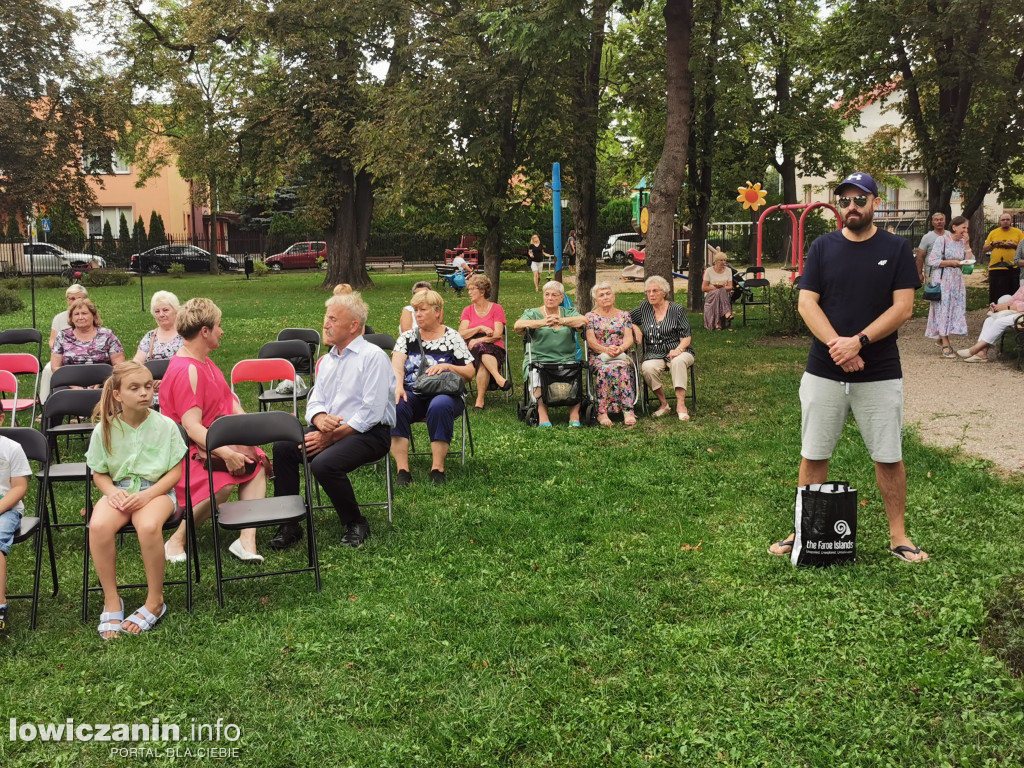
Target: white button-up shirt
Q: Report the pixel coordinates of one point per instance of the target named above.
(358, 385)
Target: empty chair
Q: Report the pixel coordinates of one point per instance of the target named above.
(309, 335)
(757, 291)
(261, 429)
(291, 350)
(20, 364)
(266, 372)
(33, 527)
(19, 336)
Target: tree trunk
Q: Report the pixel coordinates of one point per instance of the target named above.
(211, 242)
(586, 100)
(671, 170)
(346, 255)
(492, 253)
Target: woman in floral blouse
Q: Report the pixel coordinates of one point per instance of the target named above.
(86, 341)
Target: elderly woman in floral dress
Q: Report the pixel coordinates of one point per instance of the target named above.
(609, 335)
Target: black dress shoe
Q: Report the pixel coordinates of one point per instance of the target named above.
(404, 478)
(356, 534)
(437, 477)
(288, 535)
(506, 386)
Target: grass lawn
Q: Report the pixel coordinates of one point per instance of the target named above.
(594, 597)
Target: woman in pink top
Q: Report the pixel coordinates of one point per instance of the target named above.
(483, 328)
(194, 393)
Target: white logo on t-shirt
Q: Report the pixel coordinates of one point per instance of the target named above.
(883, 262)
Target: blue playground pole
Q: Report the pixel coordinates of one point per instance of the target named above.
(556, 202)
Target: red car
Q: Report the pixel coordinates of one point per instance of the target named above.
(298, 256)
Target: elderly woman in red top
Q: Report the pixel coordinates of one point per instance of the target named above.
(194, 393)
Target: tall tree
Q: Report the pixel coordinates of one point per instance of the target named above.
(956, 71)
(671, 170)
(583, 131)
(58, 117)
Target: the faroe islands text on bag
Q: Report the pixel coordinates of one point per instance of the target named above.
(826, 525)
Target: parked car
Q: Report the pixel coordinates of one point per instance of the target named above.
(195, 259)
(618, 246)
(298, 256)
(51, 259)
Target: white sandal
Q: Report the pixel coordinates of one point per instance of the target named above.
(147, 620)
(110, 621)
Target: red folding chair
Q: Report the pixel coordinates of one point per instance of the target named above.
(265, 371)
(20, 363)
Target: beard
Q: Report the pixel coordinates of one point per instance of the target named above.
(858, 220)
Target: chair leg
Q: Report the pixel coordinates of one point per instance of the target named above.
(469, 433)
(85, 575)
(216, 559)
(387, 483)
(38, 542)
(53, 559)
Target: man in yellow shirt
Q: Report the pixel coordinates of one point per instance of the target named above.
(1003, 275)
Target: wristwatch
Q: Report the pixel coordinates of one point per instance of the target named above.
(864, 340)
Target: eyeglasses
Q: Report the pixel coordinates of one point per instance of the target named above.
(860, 201)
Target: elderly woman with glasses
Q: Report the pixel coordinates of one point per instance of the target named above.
(667, 340)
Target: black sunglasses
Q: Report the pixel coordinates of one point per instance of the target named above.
(860, 201)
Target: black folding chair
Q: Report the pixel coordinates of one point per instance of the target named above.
(191, 552)
(157, 367)
(67, 403)
(691, 392)
(261, 429)
(757, 291)
(312, 337)
(33, 527)
(20, 336)
(291, 350)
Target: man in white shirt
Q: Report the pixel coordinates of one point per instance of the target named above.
(350, 410)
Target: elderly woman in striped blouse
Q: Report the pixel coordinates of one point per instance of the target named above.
(667, 338)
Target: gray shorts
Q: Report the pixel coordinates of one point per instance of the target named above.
(877, 406)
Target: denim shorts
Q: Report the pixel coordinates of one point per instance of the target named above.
(126, 482)
(9, 522)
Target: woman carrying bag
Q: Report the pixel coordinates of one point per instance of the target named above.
(948, 315)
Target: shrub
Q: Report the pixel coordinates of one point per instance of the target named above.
(13, 284)
(100, 277)
(259, 268)
(177, 269)
(50, 281)
(513, 265)
(10, 302)
(785, 317)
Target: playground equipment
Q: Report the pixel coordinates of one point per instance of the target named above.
(796, 267)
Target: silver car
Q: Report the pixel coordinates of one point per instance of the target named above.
(617, 249)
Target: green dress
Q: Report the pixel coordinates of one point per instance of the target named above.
(552, 345)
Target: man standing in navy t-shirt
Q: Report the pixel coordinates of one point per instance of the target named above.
(856, 290)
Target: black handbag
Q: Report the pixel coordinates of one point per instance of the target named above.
(825, 525)
(444, 383)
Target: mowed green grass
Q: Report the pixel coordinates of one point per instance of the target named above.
(594, 597)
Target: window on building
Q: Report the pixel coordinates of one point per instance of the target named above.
(99, 216)
(92, 163)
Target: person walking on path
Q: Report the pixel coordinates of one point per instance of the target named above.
(857, 289)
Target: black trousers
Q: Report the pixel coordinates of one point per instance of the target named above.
(1002, 282)
(331, 467)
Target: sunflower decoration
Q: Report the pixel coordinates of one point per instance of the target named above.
(752, 196)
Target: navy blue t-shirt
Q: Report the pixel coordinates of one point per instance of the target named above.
(855, 282)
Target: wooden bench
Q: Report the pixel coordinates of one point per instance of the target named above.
(443, 272)
(385, 262)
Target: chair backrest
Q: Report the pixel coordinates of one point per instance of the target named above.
(382, 340)
(158, 367)
(22, 336)
(262, 370)
(81, 375)
(31, 441)
(297, 351)
(757, 272)
(8, 382)
(253, 429)
(309, 335)
(19, 362)
(70, 402)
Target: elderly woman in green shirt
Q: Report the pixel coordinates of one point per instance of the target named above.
(553, 332)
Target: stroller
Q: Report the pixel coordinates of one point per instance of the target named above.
(561, 385)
